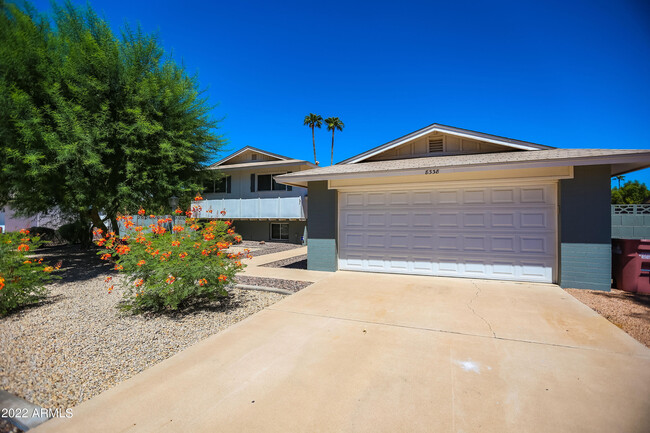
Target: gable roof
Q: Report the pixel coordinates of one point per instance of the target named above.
(245, 149)
(437, 127)
(264, 164)
(621, 161)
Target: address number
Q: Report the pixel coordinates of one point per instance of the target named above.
(432, 171)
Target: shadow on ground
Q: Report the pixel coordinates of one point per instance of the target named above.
(77, 263)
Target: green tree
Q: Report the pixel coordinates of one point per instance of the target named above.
(631, 193)
(91, 123)
(313, 121)
(334, 123)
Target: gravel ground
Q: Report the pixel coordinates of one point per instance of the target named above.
(258, 249)
(628, 311)
(298, 262)
(276, 283)
(76, 344)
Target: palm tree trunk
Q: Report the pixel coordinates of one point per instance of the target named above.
(332, 155)
(313, 140)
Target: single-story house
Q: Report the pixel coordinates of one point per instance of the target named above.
(452, 202)
(260, 208)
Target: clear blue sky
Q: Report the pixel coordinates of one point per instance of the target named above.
(561, 73)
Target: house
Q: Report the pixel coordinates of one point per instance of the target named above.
(260, 208)
(452, 202)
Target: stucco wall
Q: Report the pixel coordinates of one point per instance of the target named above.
(585, 229)
(322, 225)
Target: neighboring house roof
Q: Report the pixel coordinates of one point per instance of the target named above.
(436, 127)
(245, 149)
(622, 161)
(280, 163)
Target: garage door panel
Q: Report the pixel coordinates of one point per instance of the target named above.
(500, 232)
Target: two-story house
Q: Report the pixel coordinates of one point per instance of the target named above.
(260, 208)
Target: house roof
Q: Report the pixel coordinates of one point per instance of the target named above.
(245, 149)
(621, 160)
(437, 127)
(243, 165)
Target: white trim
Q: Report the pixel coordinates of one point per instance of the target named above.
(591, 160)
(453, 184)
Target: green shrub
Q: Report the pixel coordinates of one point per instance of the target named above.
(22, 278)
(171, 269)
(75, 233)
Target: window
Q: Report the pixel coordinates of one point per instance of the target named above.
(435, 145)
(279, 231)
(265, 182)
(223, 185)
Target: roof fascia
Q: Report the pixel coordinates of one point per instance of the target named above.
(517, 144)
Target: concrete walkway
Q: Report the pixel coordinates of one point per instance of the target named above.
(361, 352)
(254, 267)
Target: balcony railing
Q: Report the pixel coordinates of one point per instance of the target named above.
(254, 208)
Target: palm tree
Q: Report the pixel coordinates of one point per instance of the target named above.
(334, 123)
(313, 121)
(620, 178)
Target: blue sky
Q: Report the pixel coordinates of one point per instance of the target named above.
(561, 73)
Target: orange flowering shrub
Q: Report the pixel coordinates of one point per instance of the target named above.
(22, 279)
(171, 266)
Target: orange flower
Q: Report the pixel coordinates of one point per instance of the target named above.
(123, 249)
(108, 279)
(152, 216)
(223, 212)
(222, 278)
(129, 224)
(176, 243)
(208, 237)
(195, 227)
(237, 238)
(155, 253)
(139, 282)
(178, 211)
(237, 263)
(209, 211)
(228, 223)
(119, 267)
(141, 262)
(24, 232)
(23, 247)
(48, 269)
(2, 283)
(198, 197)
(27, 262)
(205, 252)
(110, 289)
(141, 211)
(203, 282)
(139, 228)
(105, 256)
(230, 231)
(178, 228)
(171, 279)
(182, 255)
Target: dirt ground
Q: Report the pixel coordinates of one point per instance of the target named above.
(628, 311)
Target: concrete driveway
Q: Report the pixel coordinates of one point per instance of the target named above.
(393, 353)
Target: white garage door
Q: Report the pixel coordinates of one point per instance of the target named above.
(504, 233)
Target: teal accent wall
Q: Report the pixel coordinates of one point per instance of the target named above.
(585, 229)
(322, 221)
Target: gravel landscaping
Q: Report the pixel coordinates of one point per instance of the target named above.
(276, 283)
(628, 311)
(259, 249)
(76, 344)
(298, 262)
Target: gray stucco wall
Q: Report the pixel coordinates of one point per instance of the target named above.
(321, 225)
(261, 230)
(585, 229)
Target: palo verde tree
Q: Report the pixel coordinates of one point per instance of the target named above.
(313, 121)
(95, 124)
